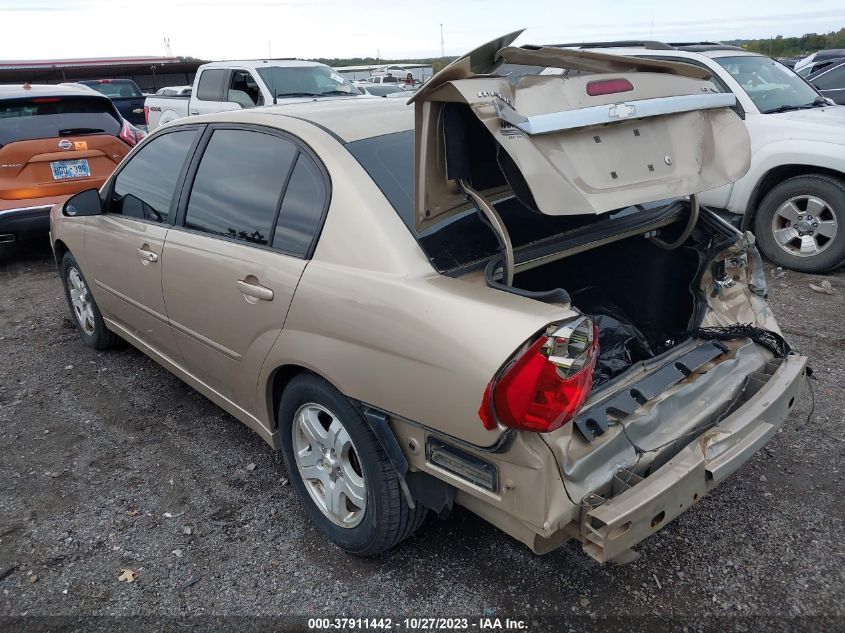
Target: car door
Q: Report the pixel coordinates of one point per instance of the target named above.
(209, 95)
(241, 245)
(123, 246)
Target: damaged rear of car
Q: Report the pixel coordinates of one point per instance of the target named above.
(573, 182)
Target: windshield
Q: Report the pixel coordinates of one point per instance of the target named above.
(115, 88)
(305, 81)
(771, 86)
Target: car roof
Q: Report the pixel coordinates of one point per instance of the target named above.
(707, 49)
(348, 119)
(44, 90)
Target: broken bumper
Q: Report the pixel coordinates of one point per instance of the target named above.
(610, 529)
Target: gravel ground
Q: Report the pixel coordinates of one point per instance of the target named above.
(108, 462)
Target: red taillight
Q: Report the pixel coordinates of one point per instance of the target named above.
(608, 87)
(45, 100)
(147, 116)
(129, 134)
(546, 386)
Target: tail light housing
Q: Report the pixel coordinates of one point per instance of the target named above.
(130, 134)
(543, 389)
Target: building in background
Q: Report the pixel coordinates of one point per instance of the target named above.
(150, 73)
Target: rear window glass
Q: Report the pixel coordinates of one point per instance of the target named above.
(115, 88)
(460, 241)
(51, 117)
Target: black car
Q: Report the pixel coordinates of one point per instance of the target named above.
(126, 96)
(830, 80)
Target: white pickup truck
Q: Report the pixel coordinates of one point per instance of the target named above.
(232, 85)
(793, 196)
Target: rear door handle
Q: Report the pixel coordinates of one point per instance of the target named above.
(195, 111)
(254, 290)
(147, 255)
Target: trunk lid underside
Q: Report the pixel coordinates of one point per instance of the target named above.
(561, 151)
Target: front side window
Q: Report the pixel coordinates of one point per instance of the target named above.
(145, 187)
(210, 87)
(238, 185)
(830, 79)
(243, 90)
(770, 85)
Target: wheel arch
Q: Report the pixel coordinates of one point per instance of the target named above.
(59, 250)
(777, 175)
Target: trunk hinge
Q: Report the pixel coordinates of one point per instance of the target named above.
(498, 227)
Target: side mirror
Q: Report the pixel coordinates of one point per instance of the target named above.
(84, 203)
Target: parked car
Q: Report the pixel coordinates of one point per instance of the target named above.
(495, 316)
(383, 90)
(234, 85)
(818, 60)
(793, 196)
(830, 81)
(54, 142)
(126, 96)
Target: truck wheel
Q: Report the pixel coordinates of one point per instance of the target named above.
(340, 470)
(83, 309)
(800, 224)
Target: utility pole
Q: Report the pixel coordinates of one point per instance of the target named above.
(442, 47)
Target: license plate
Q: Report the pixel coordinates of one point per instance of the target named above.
(66, 169)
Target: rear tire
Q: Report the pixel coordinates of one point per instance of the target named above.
(800, 223)
(374, 516)
(83, 308)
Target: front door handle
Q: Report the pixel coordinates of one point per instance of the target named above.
(255, 290)
(146, 255)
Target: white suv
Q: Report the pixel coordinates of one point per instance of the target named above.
(793, 196)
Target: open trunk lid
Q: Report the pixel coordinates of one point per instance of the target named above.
(590, 134)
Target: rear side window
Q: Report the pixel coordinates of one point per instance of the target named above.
(211, 84)
(52, 117)
(238, 185)
(302, 208)
(144, 188)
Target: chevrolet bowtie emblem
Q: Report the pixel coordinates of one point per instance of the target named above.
(621, 111)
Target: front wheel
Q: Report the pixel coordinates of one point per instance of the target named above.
(800, 223)
(86, 315)
(340, 471)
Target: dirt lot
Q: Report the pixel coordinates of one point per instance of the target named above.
(108, 462)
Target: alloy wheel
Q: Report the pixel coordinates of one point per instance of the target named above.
(804, 226)
(329, 465)
(80, 299)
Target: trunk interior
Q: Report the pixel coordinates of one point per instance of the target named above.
(640, 295)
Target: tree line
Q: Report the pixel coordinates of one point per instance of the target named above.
(781, 46)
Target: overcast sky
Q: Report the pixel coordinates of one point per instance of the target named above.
(227, 29)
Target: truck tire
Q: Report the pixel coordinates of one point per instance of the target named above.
(340, 471)
(800, 223)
